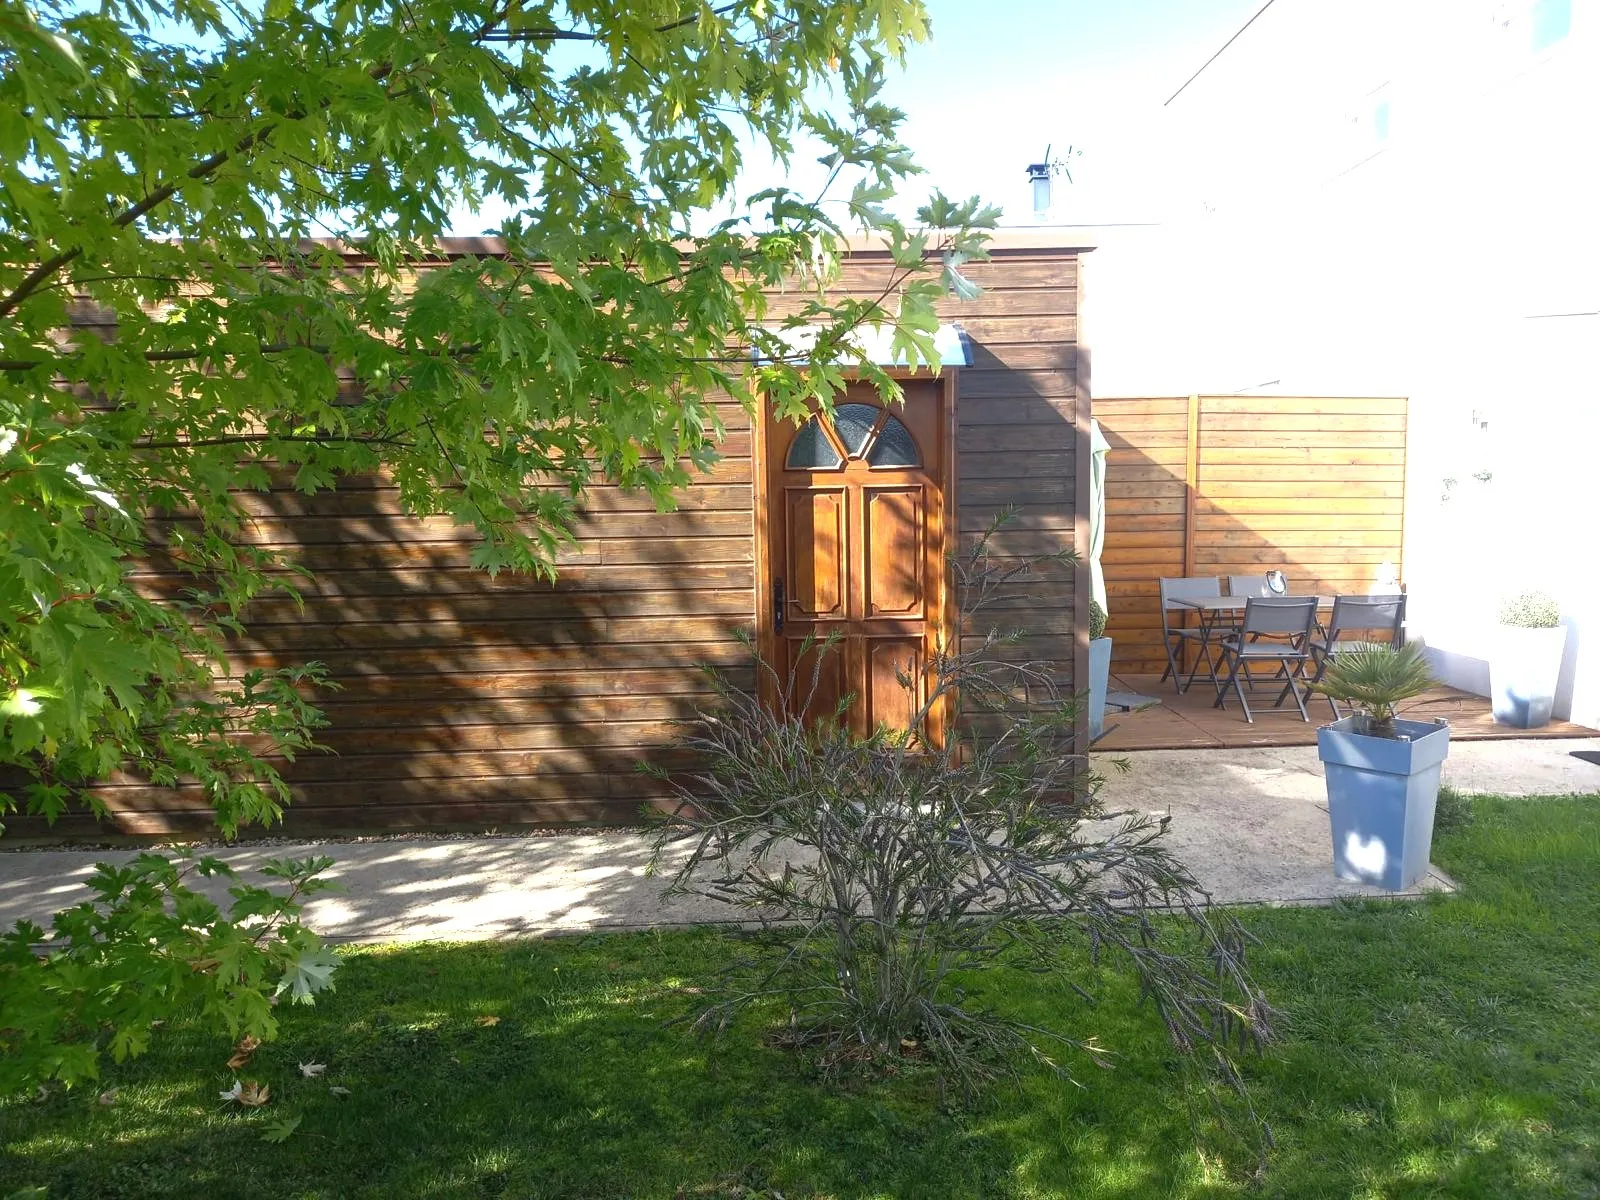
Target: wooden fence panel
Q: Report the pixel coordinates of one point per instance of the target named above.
(1146, 518)
(1222, 485)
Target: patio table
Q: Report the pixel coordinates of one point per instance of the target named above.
(1224, 612)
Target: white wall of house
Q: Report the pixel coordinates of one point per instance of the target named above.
(1400, 197)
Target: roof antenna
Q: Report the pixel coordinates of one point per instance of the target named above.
(1041, 173)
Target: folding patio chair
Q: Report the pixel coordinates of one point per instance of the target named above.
(1175, 638)
(1277, 617)
(1384, 615)
(1252, 585)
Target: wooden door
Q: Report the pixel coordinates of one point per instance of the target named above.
(855, 524)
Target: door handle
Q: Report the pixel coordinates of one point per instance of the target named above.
(777, 606)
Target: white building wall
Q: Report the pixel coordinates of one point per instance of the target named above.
(1400, 197)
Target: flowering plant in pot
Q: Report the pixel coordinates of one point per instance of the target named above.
(1526, 660)
(1099, 669)
(1382, 771)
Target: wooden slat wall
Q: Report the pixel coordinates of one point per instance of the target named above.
(1145, 522)
(1017, 446)
(1222, 485)
(475, 702)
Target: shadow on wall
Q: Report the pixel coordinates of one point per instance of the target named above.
(474, 702)
(1016, 448)
(470, 701)
(1278, 487)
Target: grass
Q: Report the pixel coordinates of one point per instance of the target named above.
(1444, 1048)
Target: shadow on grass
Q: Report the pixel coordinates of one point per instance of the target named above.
(1449, 1047)
(572, 1089)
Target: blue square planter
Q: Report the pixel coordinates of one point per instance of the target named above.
(1381, 795)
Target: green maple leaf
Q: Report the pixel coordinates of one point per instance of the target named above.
(278, 1132)
(311, 972)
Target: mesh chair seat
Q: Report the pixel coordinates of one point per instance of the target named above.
(1263, 649)
(1290, 620)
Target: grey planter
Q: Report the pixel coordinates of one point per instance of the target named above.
(1381, 795)
(1523, 669)
(1099, 678)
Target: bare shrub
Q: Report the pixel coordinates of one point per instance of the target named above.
(903, 869)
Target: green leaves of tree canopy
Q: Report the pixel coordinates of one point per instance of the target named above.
(170, 335)
(148, 944)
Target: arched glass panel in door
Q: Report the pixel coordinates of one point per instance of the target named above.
(866, 432)
(811, 450)
(894, 446)
(854, 424)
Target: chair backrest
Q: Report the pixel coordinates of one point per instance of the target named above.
(1369, 614)
(1189, 587)
(1186, 587)
(1280, 615)
(1249, 585)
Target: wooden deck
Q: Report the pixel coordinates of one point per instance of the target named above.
(1189, 720)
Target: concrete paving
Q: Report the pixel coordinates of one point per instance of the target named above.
(1252, 825)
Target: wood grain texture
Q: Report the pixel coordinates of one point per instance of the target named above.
(469, 701)
(1219, 485)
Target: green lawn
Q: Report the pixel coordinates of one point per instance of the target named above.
(1447, 1048)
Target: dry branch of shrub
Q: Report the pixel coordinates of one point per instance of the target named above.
(906, 870)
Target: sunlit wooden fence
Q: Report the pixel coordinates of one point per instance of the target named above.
(1222, 485)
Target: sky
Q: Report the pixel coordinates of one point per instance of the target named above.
(1002, 80)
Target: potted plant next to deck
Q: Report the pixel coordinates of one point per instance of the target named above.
(1382, 772)
(1099, 669)
(1526, 660)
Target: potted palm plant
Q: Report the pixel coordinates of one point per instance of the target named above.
(1382, 772)
(1526, 660)
(1099, 669)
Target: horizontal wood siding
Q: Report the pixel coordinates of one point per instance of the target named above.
(1312, 486)
(1145, 516)
(1017, 446)
(469, 701)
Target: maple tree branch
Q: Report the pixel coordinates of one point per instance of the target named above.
(247, 439)
(40, 274)
(553, 34)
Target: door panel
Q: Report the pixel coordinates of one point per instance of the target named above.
(816, 540)
(894, 580)
(895, 685)
(817, 675)
(853, 527)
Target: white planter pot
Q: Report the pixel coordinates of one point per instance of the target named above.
(1523, 669)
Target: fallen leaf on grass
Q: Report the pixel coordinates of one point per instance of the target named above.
(487, 1019)
(278, 1131)
(249, 1093)
(243, 1052)
(312, 1070)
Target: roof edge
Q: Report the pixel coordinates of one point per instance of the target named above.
(1064, 239)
